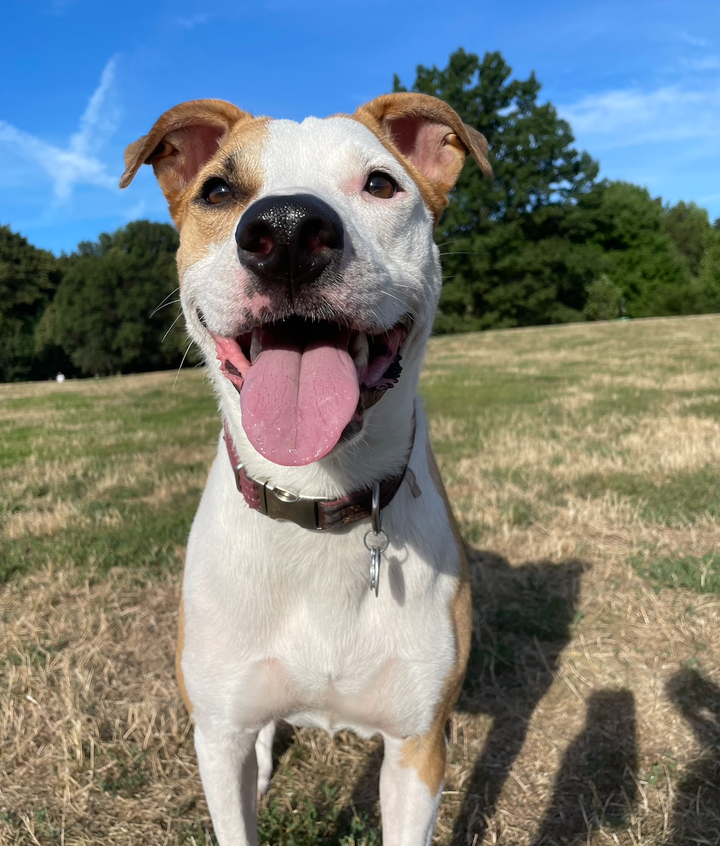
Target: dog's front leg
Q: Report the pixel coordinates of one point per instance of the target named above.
(411, 781)
(228, 769)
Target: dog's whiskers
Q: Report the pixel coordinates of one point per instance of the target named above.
(177, 375)
(172, 325)
(164, 302)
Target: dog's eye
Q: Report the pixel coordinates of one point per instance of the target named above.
(216, 191)
(381, 185)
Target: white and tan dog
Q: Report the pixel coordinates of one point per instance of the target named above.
(309, 280)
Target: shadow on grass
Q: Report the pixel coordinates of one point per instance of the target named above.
(524, 617)
(696, 811)
(596, 785)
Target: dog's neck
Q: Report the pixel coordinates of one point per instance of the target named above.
(314, 512)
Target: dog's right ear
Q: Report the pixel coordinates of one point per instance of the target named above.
(179, 144)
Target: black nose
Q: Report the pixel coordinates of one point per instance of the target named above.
(289, 239)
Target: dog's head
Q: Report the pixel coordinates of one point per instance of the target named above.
(308, 273)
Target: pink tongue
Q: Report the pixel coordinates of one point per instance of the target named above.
(296, 402)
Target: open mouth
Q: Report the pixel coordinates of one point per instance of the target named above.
(304, 385)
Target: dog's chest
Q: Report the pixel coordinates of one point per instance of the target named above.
(376, 670)
(318, 648)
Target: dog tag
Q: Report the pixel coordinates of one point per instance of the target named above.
(375, 540)
(376, 543)
(375, 556)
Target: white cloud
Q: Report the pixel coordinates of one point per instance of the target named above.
(706, 63)
(192, 21)
(135, 212)
(632, 117)
(692, 40)
(710, 199)
(78, 164)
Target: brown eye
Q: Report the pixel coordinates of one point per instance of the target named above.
(216, 191)
(381, 185)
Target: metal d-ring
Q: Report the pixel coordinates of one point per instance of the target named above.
(375, 512)
(380, 541)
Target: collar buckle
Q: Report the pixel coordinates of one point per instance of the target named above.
(284, 505)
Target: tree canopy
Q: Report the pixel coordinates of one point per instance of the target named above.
(28, 278)
(108, 312)
(528, 246)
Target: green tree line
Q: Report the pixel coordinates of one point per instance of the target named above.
(546, 241)
(110, 307)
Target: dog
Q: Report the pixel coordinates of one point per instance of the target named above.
(325, 580)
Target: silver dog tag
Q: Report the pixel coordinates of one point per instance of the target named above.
(375, 540)
(375, 556)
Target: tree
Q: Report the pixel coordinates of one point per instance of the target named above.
(529, 246)
(639, 254)
(507, 258)
(710, 271)
(28, 279)
(106, 313)
(604, 299)
(689, 227)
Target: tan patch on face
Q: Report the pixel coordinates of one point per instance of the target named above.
(180, 142)
(178, 657)
(428, 138)
(238, 163)
(434, 199)
(426, 754)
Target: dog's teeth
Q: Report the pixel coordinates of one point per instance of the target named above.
(359, 349)
(255, 346)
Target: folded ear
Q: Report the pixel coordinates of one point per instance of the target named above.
(180, 143)
(430, 135)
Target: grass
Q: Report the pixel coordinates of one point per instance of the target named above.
(582, 462)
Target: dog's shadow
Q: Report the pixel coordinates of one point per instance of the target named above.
(523, 619)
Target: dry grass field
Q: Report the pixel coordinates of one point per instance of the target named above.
(584, 465)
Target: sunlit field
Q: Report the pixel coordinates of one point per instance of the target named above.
(583, 462)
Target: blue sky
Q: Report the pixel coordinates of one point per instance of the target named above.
(639, 81)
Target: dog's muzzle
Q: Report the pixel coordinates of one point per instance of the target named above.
(289, 241)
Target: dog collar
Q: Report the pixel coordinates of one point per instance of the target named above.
(308, 511)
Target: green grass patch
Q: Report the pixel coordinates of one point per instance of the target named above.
(627, 402)
(673, 500)
(706, 409)
(481, 392)
(146, 537)
(127, 777)
(301, 822)
(700, 574)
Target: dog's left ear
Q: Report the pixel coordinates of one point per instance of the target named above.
(430, 135)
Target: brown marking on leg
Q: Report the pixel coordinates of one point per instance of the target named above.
(178, 658)
(426, 753)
